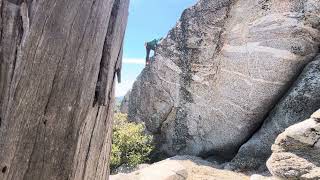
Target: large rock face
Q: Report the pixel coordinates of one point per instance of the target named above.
(221, 70)
(296, 152)
(298, 104)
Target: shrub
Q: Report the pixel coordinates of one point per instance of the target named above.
(130, 146)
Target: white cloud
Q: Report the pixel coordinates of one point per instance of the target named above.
(133, 61)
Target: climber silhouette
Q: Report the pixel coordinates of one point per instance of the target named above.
(152, 45)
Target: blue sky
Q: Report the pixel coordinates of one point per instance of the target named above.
(148, 19)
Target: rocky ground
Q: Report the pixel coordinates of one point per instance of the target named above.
(181, 168)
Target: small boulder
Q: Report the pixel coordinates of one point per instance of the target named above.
(163, 170)
(296, 152)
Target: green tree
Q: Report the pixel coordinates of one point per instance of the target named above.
(130, 145)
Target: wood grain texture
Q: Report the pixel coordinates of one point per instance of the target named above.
(50, 57)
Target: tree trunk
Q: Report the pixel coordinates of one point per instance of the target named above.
(58, 61)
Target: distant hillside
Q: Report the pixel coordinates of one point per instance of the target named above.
(118, 103)
(119, 99)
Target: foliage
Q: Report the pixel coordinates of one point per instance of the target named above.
(130, 146)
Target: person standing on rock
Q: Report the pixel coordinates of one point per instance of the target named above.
(152, 45)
